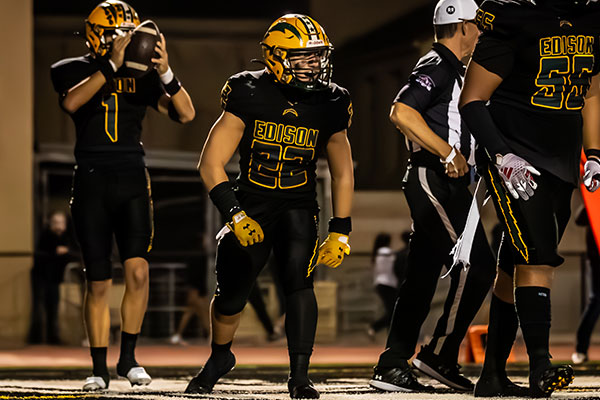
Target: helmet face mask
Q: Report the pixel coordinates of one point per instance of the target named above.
(306, 69)
(297, 52)
(108, 20)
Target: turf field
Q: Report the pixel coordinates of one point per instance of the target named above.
(251, 382)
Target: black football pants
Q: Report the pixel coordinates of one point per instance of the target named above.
(439, 206)
(293, 236)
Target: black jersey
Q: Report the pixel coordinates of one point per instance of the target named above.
(546, 59)
(286, 130)
(433, 89)
(110, 124)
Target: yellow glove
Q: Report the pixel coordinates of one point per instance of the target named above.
(245, 229)
(332, 250)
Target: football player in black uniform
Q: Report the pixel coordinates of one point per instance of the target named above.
(111, 187)
(281, 118)
(533, 63)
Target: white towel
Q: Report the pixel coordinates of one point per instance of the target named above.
(461, 252)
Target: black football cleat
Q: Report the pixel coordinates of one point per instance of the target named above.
(400, 379)
(302, 390)
(447, 373)
(553, 378)
(498, 386)
(198, 386)
(208, 376)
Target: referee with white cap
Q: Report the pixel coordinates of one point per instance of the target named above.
(436, 188)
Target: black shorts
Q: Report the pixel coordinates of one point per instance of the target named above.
(532, 228)
(107, 202)
(291, 232)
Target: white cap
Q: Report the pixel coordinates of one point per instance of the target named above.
(454, 11)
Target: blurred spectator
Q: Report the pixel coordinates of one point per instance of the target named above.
(50, 259)
(197, 301)
(274, 330)
(256, 301)
(592, 275)
(385, 280)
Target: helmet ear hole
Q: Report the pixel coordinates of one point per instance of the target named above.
(279, 52)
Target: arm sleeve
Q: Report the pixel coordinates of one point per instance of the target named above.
(423, 88)
(482, 127)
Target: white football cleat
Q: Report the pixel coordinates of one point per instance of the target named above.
(93, 383)
(138, 376)
(579, 358)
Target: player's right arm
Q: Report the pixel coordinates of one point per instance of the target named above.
(82, 92)
(223, 139)
(493, 60)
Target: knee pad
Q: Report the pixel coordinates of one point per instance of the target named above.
(229, 304)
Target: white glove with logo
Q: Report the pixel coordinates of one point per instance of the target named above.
(516, 174)
(591, 174)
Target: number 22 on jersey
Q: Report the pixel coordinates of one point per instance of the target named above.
(277, 166)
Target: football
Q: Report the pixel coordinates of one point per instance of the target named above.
(140, 50)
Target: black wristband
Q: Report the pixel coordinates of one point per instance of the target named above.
(340, 225)
(224, 199)
(592, 152)
(172, 87)
(106, 69)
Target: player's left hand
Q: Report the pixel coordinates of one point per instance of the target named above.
(333, 249)
(591, 175)
(162, 63)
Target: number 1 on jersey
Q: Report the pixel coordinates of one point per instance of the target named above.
(111, 106)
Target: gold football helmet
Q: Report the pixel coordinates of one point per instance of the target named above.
(103, 22)
(298, 37)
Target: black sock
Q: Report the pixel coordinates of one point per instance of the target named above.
(127, 356)
(99, 362)
(299, 367)
(220, 349)
(533, 307)
(502, 331)
(220, 362)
